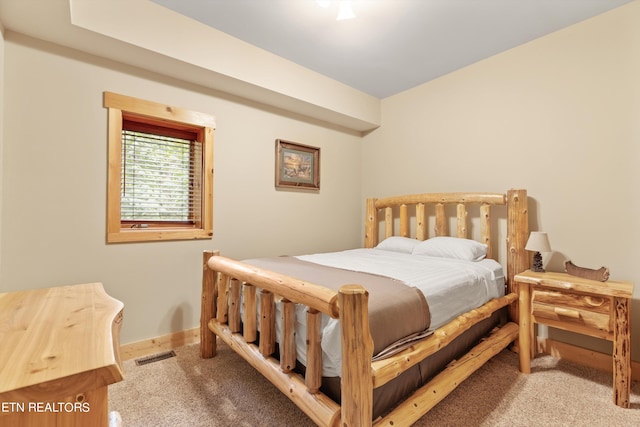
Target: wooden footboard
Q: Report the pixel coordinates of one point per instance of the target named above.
(221, 299)
(221, 316)
(224, 280)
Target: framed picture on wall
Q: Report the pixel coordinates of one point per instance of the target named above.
(297, 165)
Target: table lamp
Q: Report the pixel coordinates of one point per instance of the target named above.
(538, 242)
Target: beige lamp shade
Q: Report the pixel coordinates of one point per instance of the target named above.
(538, 242)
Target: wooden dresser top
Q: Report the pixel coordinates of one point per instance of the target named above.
(56, 340)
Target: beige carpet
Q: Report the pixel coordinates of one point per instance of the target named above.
(225, 391)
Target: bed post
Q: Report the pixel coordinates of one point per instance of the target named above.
(357, 351)
(207, 309)
(517, 235)
(371, 226)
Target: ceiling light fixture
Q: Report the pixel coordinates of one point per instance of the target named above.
(344, 10)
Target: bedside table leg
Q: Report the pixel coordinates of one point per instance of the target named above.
(622, 353)
(524, 336)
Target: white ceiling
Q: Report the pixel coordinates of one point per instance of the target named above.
(391, 45)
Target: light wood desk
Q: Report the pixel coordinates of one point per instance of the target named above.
(59, 351)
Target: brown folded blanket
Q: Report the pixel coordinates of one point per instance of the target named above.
(395, 309)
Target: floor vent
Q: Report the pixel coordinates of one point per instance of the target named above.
(155, 358)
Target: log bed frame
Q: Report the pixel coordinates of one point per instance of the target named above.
(223, 279)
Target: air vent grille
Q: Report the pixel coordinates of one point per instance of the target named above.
(155, 358)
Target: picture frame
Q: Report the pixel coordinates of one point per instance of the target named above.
(297, 165)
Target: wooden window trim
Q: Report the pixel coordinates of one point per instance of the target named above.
(121, 107)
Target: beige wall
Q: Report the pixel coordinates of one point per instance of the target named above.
(558, 116)
(1, 132)
(54, 168)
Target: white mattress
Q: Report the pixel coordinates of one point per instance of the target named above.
(451, 287)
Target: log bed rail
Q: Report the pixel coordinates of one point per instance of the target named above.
(225, 279)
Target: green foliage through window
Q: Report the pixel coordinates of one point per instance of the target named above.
(158, 178)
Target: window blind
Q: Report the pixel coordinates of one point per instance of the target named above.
(160, 178)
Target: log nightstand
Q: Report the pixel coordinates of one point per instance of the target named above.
(589, 307)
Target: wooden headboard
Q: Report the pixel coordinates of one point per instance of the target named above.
(409, 216)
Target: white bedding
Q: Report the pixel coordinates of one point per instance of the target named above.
(451, 287)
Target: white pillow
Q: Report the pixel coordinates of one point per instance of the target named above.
(398, 244)
(452, 247)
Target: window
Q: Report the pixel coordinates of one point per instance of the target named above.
(160, 175)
